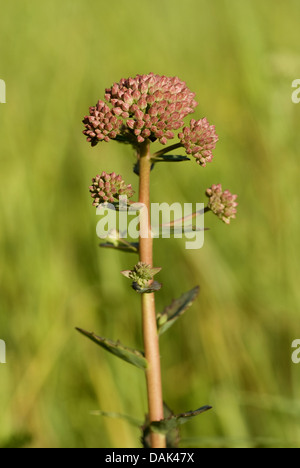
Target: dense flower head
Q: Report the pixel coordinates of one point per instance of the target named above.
(221, 203)
(141, 276)
(108, 188)
(147, 106)
(199, 139)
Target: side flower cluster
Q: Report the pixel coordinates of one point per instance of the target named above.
(108, 188)
(221, 203)
(101, 124)
(199, 139)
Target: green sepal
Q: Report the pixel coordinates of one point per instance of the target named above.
(130, 355)
(177, 308)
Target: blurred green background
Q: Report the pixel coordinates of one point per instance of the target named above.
(232, 350)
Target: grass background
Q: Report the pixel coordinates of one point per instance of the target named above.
(233, 348)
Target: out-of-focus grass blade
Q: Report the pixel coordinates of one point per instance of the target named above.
(17, 440)
(231, 442)
(130, 419)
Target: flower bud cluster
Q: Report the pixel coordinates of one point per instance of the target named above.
(221, 203)
(101, 124)
(108, 188)
(147, 106)
(141, 274)
(199, 139)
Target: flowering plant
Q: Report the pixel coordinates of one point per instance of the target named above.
(139, 111)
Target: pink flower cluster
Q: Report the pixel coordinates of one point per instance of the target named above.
(147, 106)
(199, 139)
(221, 203)
(108, 188)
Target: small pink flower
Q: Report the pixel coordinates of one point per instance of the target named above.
(221, 203)
(199, 139)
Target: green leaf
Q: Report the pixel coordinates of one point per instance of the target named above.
(169, 158)
(179, 229)
(173, 421)
(153, 287)
(130, 355)
(115, 240)
(124, 246)
(172, 436)
(175, 310)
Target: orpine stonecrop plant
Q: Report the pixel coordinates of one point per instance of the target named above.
(140, 111)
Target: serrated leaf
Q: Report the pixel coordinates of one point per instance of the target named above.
(168, 424)
(175, 310)
(130, 355)
(169, 158)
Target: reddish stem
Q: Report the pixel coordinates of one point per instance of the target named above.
(150, 335)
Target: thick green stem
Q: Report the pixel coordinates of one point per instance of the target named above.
(150, 335)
